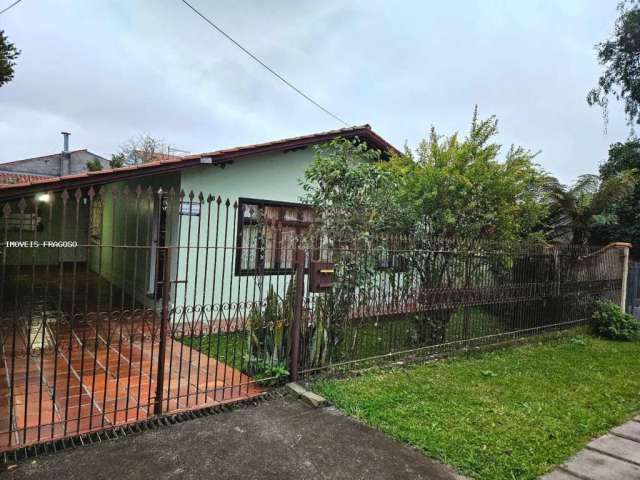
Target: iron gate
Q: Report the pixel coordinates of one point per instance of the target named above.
(120, 304)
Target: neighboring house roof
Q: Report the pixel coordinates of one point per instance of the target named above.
(13, 178)
(84, 179)
(53, 156)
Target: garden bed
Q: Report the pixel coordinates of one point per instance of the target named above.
(353, 341)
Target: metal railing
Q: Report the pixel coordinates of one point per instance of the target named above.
(406, 295)
(121, 303)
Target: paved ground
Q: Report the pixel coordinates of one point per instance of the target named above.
(614, 456)
(280, 439)
(103, 370)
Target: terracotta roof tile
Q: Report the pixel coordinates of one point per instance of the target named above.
(11, 178)
(113, 174)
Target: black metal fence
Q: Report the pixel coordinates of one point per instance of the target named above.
(121, 303)
(407, 295)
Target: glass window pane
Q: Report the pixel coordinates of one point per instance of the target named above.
(271, 214)
(291, 214)
(270, 247)
(277, 241)
(287, 246)
(250, 211)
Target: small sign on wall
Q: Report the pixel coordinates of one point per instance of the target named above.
(191, 209)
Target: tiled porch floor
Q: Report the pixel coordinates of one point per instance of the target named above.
(97, 377)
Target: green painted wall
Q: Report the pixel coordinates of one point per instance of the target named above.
(124, 252)
(127, 222)
(265, 177)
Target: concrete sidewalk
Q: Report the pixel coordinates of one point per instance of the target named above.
(279, 439)
(614, 456)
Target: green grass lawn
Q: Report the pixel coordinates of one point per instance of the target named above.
(509, 414)
(229, 348)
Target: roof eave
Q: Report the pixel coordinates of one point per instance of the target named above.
(169, 166)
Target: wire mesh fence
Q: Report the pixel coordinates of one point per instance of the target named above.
(120, 303)
(402, 295)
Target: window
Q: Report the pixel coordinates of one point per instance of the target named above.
(266, 235)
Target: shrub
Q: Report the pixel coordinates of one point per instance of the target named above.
(610, 321)
(268, 375)
(94, 165)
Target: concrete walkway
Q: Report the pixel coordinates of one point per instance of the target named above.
(280, 439)
(614, 456)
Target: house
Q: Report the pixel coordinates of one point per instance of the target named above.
(55, 165)
(222, 244)
(164, 287)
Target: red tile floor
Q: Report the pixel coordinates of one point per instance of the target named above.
(86, 379)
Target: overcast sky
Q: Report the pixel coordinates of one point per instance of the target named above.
(108, 70)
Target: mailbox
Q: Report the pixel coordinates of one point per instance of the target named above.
(320, 276)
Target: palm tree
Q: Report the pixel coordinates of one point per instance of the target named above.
(575, 210)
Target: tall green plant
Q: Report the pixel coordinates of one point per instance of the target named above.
(576, 210)
(266, 339)
(460, 187)
(449, 186)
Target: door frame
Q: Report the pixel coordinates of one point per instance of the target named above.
(158, 242)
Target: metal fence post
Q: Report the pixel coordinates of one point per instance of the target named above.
(625, 275)
(297, 314)
(164, 321)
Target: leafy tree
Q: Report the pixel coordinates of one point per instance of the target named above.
(577, 210)
(352, 193)
(448, 186)
(347, 185)
(8, 54)
(621, 57)
(117, 160)
(456, 186)
(626, 212)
